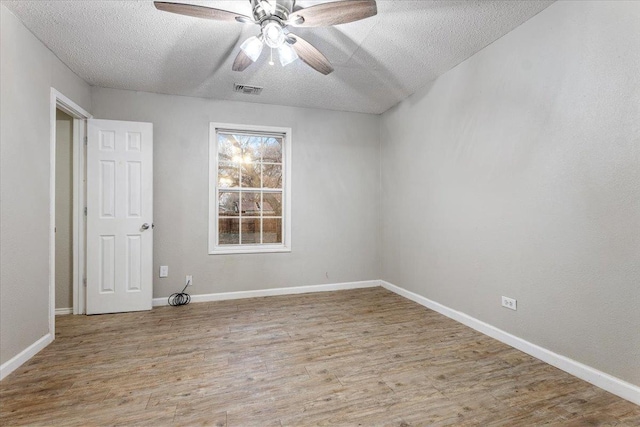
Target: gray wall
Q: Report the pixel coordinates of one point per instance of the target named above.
(28, 70)
(517, 173)
(335, 193)
(64, 210)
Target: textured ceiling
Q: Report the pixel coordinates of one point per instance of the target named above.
(378, 61)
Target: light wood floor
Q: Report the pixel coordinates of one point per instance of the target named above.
(362, 357)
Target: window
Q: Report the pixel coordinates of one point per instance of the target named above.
(249, 201)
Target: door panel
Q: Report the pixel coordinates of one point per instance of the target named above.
(107, 264)
(119, 204)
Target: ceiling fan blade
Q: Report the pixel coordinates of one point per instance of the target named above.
(311, 55)
(241, 62)
(334, 13)
(201, 12)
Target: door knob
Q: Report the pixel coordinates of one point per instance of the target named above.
(145, 226)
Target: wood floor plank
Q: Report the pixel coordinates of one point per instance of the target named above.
(360, 357)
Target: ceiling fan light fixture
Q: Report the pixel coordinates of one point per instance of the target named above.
(287, 54)
(252, 47)
(273, 34)
(274, 18)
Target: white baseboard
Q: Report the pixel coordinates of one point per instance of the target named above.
(275, 291)
(16, 361)
(63, 311)
(598, 378)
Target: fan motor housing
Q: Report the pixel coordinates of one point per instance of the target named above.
(261, 9)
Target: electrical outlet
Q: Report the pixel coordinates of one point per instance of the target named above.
(164, 271)
(188, 280)
(509, 303)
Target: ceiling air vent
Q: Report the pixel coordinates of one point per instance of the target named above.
(247, 89)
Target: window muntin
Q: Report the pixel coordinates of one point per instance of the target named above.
(250, 194)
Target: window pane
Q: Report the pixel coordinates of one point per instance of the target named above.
(272, 230)
(250, 148)
(227, 147)
(228, 176)
(250, 175)
(229, 231)
(250, 204)
(272, 150)
(228, 204)
(272, 204)
(250, 231)
(272, 176)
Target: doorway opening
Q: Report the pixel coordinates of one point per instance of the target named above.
(67, 193)
(64, 214)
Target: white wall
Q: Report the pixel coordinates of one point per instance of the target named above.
(28, 70)
(517, 173)
(64, 210)
(335, 193)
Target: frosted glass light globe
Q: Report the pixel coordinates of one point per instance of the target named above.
(287, 54)
(252, 47)
(273, 34)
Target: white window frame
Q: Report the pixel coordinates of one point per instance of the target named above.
(285, 246)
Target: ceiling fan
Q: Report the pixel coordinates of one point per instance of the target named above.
(274, 17)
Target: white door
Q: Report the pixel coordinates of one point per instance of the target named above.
(119, 216)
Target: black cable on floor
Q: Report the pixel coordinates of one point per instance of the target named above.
(180, 298)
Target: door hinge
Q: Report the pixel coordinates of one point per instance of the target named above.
(84, 282)
(85, 211)
(86, 140)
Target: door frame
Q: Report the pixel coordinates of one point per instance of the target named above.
(80, 116)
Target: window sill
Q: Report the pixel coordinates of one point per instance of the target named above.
(249, 250)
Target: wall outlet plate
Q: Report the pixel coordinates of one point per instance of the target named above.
(164, 271)
(510, 303)
(188, 280)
